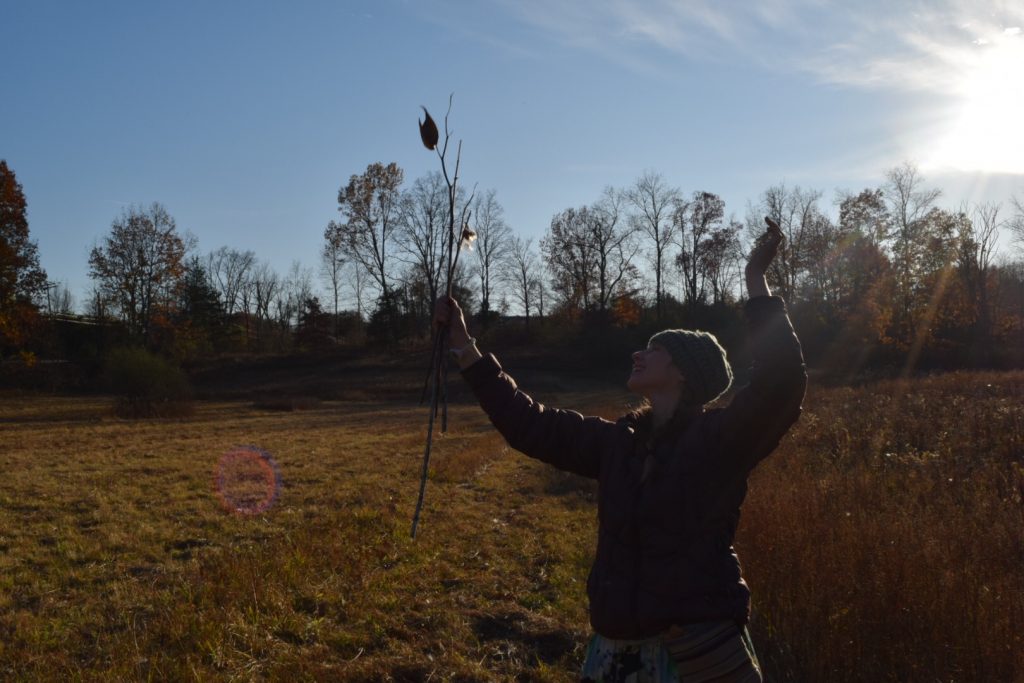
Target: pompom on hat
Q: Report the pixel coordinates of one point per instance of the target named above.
(701, 359)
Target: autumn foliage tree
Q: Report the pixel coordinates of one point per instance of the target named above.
(571, 257)
(707, 246)
(139, 268)
(22, 280)
(893, 280)
(590, 252)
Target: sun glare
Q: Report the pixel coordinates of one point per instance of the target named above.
(985, 132)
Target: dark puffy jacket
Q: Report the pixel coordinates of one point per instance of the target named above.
(664, 548)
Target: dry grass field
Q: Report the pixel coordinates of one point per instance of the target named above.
(884, 541)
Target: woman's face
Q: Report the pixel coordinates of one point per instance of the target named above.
(653, 372)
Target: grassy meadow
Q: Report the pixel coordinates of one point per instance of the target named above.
(883, 541)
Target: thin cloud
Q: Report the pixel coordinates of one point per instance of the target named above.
(959, 57)
(615, 27)
(935, 49)
(913, 46)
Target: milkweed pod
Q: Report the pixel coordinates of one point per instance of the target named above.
(467, 238)
(428, 130)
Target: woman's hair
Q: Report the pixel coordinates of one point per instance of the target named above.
(643, 417)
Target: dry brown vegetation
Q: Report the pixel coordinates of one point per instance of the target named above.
(883, 541)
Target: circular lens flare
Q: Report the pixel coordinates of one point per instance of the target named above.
(247, 480)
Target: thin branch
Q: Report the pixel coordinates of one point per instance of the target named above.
(439, 364)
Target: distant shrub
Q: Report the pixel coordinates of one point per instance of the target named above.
(147, 385)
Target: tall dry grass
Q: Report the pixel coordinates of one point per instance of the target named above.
(882, 541)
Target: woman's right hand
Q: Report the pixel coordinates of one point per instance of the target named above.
(765, 248)
(448, 313)
(761, 256)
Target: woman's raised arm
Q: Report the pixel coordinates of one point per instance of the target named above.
(762, 411)
(563, 438)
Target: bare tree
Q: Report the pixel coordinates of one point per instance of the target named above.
(265, 285)
(140, 265)
(357, 279)
(60, 298)
(369, 206)
(1016, 222)
(721, 260)
(424, 231)
(908, 200)
(614, 244)
(332, 262)
(97, 306)
(228, 270)
(797, 213)
(653, 201)
(297, 287)
(695, 222)
(284, 309)
(493, 237)
(521, 270)
(977, 242)
(909, 206)
(540, 293)
(986, 226)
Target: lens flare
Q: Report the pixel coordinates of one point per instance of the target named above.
(247, 480)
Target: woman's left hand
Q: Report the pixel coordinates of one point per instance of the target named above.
(448, 313)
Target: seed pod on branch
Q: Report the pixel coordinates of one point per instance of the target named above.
(428, 130)
(438, 365)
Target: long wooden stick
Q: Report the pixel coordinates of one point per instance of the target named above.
(426, 460)
(433, 363)
(439, 365)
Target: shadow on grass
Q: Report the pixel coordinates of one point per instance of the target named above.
(548, 644)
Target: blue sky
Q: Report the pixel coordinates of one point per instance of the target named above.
(244, 118)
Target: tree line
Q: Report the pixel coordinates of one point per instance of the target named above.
(894, 277)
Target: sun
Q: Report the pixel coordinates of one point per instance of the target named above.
(985, 132)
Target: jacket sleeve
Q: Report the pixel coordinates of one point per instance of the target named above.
(763, 411)
(563, 438)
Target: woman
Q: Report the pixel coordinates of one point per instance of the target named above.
(667, 600)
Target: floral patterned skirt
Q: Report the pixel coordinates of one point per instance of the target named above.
(712, 651)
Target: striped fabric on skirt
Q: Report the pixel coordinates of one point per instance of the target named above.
(711, 652)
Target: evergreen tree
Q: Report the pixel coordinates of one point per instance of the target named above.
(201, 316)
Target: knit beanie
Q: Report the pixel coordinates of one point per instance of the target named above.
(701, 359)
